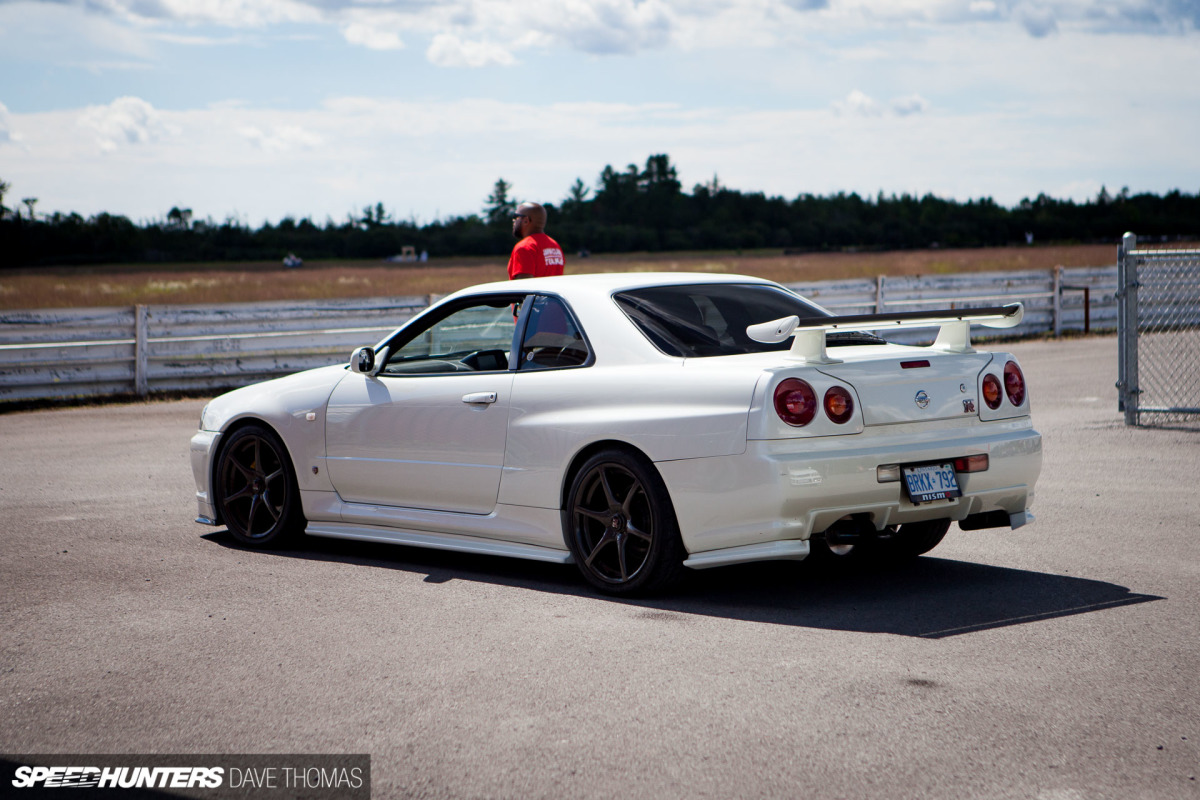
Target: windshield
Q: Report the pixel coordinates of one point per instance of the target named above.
(710, 319)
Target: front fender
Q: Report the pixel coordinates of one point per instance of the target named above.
(294, 407)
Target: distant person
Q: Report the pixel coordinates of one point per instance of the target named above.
(536, 255)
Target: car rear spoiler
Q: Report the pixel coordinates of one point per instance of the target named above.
(954, 336)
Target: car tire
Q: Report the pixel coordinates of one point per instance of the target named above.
(915, 539)
(255, 488)
(893, 544)
(620, 525)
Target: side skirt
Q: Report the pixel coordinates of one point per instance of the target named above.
(438, 541)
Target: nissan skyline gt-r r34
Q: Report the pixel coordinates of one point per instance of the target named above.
(636, 425)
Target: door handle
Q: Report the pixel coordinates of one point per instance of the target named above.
(480, 398)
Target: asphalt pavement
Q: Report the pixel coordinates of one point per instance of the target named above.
(1059, 661)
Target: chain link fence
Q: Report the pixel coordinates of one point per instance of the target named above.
(1158, 325)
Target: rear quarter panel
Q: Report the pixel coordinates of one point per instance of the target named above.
(666, 411)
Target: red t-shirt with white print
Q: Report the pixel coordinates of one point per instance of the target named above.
(536, 256)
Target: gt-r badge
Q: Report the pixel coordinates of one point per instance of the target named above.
(968, 406)
(922, 399)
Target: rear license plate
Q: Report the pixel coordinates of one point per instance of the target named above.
(931, 482)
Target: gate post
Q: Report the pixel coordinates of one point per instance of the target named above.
(1127, 330)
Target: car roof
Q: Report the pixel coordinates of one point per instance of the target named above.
(608, 282)
(613, 337)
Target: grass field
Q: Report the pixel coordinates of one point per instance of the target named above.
(124, 284)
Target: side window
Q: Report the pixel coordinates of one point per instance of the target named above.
(552, 339)
(472, 338)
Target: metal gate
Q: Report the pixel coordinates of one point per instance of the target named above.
(1158, 321)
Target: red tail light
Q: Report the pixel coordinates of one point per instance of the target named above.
(839, 405)
(1014, 383)
(991, 391)
(978, 463)
(795, 402)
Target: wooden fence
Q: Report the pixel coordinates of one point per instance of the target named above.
(56, 353)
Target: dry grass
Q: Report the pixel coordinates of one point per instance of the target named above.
(117, 285)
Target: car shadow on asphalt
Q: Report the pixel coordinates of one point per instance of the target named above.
(929, 598)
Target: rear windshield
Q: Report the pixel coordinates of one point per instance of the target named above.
(710, 319)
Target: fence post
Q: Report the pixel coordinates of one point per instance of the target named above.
(878, 294)
(141, 355)
(1058, 301)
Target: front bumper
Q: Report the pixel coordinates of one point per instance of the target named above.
(203, 451)
(788, 490)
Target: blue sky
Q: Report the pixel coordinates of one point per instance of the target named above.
(260, 109)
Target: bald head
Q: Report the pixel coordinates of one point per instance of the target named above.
(530, 218)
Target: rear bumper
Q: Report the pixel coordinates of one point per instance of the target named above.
(781, 490)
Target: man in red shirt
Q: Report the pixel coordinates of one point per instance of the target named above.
(536, 255)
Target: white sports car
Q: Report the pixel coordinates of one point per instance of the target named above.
(635, 425)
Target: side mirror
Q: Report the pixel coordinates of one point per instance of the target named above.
(365, 361)
(362, 361)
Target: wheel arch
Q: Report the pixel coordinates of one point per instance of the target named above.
(581, 457)
(229, 430)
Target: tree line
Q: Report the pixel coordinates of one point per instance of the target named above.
(635, 209)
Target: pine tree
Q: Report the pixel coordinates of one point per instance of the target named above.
(500, 207)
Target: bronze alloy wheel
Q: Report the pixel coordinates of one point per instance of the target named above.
(621, 526)
(256, 490)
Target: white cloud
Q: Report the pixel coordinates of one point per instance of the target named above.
(228, 13)
(46, 33)
(7, 134)
(857, 103)
(1038, 18)
(607, 26)
(860, 104)
(912, 104)
(768, 97)
(125, 121)
(1038, 21)
(370, 37)
(447, 50)
(485, 33)
(282, 139)
(434, 159)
